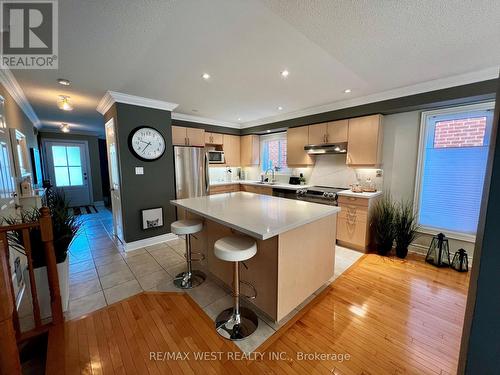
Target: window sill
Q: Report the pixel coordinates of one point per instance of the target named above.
(450, 234)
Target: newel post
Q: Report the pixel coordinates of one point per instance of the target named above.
(47, 235)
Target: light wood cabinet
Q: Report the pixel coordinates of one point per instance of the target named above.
(328, 132)
(365, 141)
(213, 138)
(182, 136)
(317, 134)
(296, 139)
(231, 146)
(264, 190)
(353, 222)
(250, 150)
(221, 189)
(337, 131)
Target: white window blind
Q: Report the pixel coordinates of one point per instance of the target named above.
(452, 165)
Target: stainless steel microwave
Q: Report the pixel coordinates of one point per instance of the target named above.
(216, 157)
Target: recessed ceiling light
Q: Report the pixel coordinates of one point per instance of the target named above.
(347, 91)
(64, 81)
(285, 73)
(64, 127)
(268, 131)
(205, 76)
(280, 108)
(64, 103)
(239, 118)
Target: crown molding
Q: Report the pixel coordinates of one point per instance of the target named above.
(112, 97)
(438, 84)
(14, 89)
(204, 120)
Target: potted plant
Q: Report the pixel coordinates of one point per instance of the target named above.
(405, 227)
(65, 227)
(382, 224)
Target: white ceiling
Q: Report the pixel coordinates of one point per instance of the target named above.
(159, 49)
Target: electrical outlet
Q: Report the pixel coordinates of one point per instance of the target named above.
(139, 170)
(379, 173)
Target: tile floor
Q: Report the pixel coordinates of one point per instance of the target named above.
(102, 274)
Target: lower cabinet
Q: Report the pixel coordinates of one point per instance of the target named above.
(353, 222)
(264, 190)
(220, 189)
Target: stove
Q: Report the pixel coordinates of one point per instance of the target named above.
(319, 194)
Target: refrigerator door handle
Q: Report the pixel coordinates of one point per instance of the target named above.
(207, 175)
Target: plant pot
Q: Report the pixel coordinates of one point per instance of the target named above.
(42, 287)
(384, 249)
(401, 252)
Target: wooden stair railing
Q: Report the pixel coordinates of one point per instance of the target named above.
(9, 320)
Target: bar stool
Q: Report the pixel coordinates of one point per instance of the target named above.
(190, 278)
(236, 323)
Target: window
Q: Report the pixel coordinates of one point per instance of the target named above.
(67, 166)
(273, 152)
(452, 166)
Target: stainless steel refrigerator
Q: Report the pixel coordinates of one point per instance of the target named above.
(191, 173)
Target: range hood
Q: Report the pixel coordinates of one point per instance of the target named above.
(327, 148)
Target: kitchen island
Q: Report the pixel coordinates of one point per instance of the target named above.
(295, 244)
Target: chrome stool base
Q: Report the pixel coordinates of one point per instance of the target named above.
(234, 327)
(189, 280)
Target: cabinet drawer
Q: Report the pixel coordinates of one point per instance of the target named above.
(354, 213)
(264, 190)
(352, 232)
(353, 200)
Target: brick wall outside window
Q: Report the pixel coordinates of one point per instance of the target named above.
(277, 153)
(466, 132)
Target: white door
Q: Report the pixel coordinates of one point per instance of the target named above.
(114, 179)
(67, 168)
(8, 193)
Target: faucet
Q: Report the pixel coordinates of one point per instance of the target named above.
(272, 170)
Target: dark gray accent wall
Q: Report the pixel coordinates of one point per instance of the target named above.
(156, 187)
(480, 351)
(95, 166)
(207, 127)
(457, 95)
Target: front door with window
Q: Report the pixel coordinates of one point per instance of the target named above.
(67, 170)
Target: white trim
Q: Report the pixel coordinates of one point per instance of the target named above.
(112, 97)
(14, 89)
(130, 246)
(204, 120)
(458, 80)
(420, 163)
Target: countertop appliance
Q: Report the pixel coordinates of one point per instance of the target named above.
(216, 157)
(191, 172)
(319, 194)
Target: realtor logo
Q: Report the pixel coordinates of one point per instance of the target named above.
(29, 34)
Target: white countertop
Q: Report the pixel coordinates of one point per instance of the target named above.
(259, 216)
(277, 185)
(350, 193)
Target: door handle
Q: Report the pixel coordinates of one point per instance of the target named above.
(207, 175)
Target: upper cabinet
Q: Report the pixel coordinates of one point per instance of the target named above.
(182, 136)
(250, 150)
(231, 150)
(328, 132)
(213, 138)
(365, 141)
(297, 138)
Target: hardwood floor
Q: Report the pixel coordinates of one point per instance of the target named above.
(382, 316)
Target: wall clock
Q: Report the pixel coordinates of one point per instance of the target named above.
(146, 143)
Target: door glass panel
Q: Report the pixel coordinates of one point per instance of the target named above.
(76, 176)
(62, 176)
(59, 155)
(74, 159)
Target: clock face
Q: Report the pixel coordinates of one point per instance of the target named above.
(147, 143)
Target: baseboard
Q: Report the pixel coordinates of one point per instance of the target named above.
(99, 203)
(130, 246)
